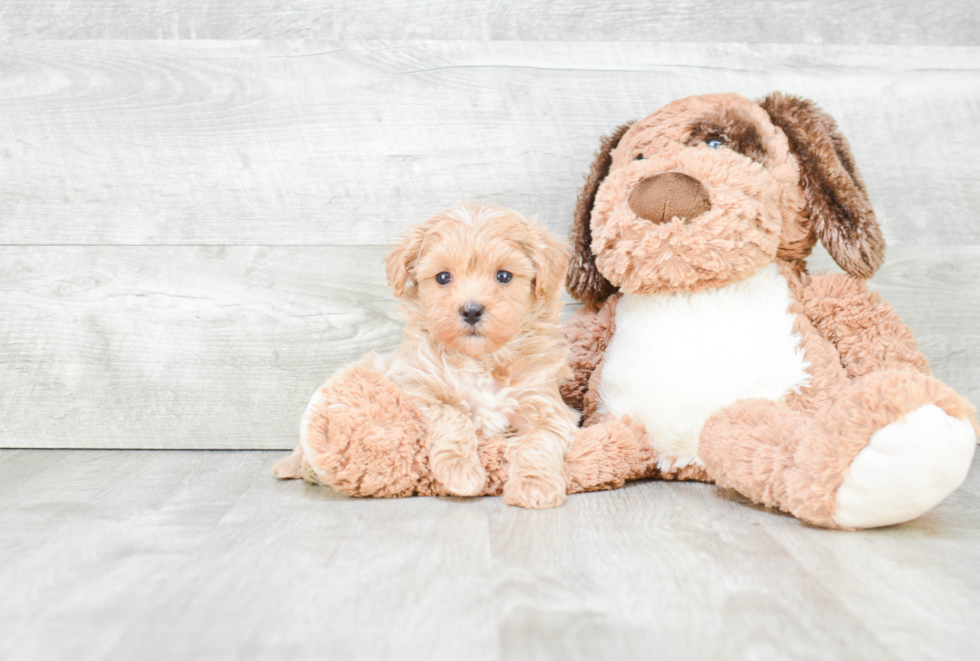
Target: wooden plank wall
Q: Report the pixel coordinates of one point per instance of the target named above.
(195, 197)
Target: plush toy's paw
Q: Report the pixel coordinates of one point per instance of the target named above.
(362, 436)
(460, 475)
(909, 467)
(535, 491)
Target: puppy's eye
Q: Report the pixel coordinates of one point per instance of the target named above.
(640, 157)
(714, 143)
(503, 277)
(444, 278)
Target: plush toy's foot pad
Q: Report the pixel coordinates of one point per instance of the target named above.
(908, 468)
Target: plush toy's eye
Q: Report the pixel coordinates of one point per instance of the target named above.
(640, 157)
(714, 143)
(503, 277)
(444, 278)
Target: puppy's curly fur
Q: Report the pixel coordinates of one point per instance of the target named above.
(497, 375)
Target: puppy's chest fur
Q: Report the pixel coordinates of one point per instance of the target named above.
(490, 405)
(677, 358)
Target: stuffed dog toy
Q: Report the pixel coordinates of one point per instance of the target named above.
(469, 404)
(704, 333)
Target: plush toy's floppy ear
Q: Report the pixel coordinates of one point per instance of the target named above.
(402, 258)
(584, 282)
(840, 212)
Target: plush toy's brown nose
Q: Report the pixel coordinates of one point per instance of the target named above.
(663, 196)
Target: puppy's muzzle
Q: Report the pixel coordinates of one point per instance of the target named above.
(664, 196)
(471, 313)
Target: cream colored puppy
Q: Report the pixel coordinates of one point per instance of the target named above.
(483, 354)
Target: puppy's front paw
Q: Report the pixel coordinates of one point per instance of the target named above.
(460, 475)
(535, 491)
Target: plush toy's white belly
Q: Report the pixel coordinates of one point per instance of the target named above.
(677, 358)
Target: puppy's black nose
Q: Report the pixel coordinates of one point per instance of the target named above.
(471, 313)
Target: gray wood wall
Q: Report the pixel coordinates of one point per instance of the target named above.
(195, 197)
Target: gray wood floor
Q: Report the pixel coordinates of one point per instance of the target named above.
(202, 555)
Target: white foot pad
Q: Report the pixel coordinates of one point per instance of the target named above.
(909, 467)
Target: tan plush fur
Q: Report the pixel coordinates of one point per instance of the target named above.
(364, 436)
(461, 385)
(779, 176)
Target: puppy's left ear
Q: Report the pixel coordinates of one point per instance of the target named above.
(550, 263)
(840, 212)
(402, 258)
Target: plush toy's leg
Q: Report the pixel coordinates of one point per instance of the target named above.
(891, 447)
(607, 454)
(362, 436)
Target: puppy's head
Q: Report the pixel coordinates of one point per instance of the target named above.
(707, 189)
(476, 276)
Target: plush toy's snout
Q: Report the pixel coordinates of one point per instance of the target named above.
(668, 195)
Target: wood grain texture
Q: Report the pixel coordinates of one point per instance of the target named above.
(180, 347)
(203, 555)
(192, 230)
(955, 22)
(221, 347)
(317, 143)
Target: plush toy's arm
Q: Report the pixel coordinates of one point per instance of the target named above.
(587, 334)
(866, 330)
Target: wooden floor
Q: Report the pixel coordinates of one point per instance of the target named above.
(203, 555)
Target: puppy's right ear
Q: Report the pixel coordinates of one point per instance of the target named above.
(550, 263)
(583, 281)
(402, 259)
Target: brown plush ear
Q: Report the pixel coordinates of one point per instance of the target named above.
(402, 258)
(584, 282)
(840, 212)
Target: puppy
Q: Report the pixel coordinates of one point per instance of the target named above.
(483, 354)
